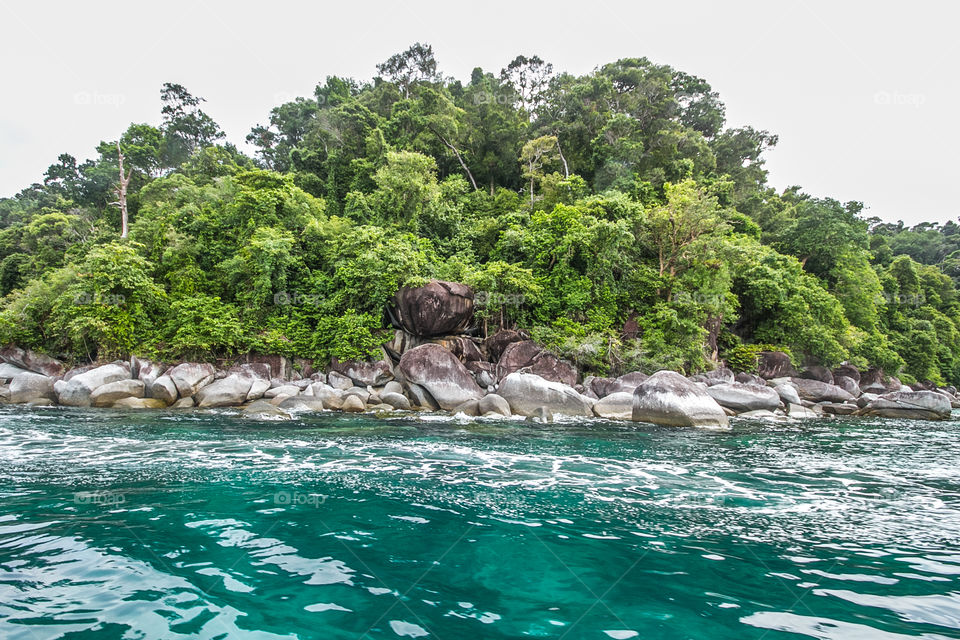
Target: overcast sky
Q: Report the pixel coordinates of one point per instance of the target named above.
(863, 96)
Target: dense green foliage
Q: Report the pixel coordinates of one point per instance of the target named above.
(612, 214)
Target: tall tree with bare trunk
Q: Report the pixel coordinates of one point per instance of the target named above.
(120, 189)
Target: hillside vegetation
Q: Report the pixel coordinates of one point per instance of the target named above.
(614, 215)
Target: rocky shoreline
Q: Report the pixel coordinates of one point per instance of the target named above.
(434, 364)
(430, 377)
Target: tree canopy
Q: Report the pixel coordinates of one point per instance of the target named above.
(613, 214)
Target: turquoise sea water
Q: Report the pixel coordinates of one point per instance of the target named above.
(162, 525)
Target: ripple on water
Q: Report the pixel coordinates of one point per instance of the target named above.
(207, 525)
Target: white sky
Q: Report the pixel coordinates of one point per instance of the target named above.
(862, 94)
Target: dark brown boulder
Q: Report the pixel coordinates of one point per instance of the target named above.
(495, 344)
(436, 309)
(533, 358)
(748, 378)
(872, 381)
(461, 346)
(280, 366)
(469, 351)
(32, 361)
(775, 364)
(628, 382)
(601, 387)
(401, 343)
(717, 376)
(817, 373)
(847, 370)
(633, 379)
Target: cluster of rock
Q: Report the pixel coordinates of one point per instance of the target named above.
(433, 363)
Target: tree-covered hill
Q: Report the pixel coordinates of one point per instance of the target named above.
(613, 215)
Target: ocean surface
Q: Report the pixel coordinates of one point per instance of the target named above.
(208, 525)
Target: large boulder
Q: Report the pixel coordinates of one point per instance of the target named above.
(364, 373)
(875, 381)
(76, 391)
(279, 366)
(339, 381)
(495, 344)
(748, 378)
(616, 406)
(9, 371)
(226, 392)
(494, 403)
(256, 370)
(263, 410)
(330, 397)
(396, 400)
(527, 392)
(138, 403)
(817, 391)
(439, 373)
(723, 375)
(788, 393)
(775, 364)
(533, 358)
(911, 405)
(301, 404)
(600, 386)
(285, 390)
(436, 309)
(106, 395)
(742, 397)
(798, 411)
(401, 343)
(847, 371)
(421, 398)
(258, 386)
(838, 408)
(667, 398)
(847, 384)
(464, 348)
(147, 371)
(31, 387)
(603, 387)
(353, 404)
(189, 377)
(32, 361)
(259, 375)
(163, 389)
(632, 380)
(817, 372)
